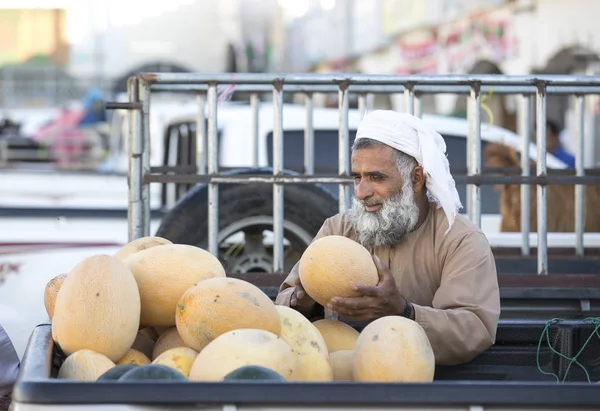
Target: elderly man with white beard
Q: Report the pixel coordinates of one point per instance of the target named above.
(435, 266)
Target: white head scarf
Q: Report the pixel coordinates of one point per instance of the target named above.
(411, 135)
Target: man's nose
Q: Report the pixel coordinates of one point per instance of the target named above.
(362, 190)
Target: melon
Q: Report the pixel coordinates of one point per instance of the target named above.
(143, 344)
(308, 345)
(337, 334)
(342, 363)
(221, 304)
(331, 265)
(169, 339)
(50, 293)
(164, 273)
(97, 308)
(152, 372)
(134, 357)
(393, 349)
(237, 348)
(149, 332)
(180, 359)
(116, 372)
(84, 365)
(139, 245)
(253, 373)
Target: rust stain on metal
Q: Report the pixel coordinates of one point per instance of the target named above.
(148, 78)
(278, 84)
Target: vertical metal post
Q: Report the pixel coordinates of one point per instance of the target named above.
(201, 153)
(213, 169)
(579, 171)
(144, 90)
(278, 258)
(309, 137)
(362, 105)
(542, 218)
(343, 147)
(474, 153)
(409, 98)
(254, 106)
(418, 106)
(135, 216)
(525, 126)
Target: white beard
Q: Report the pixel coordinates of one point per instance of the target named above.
(396, 218)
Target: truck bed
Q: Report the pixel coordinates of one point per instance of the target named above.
(506, 377)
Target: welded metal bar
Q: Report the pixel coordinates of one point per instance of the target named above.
(542, 217)
(144, 91)
(580, 210)
(418, 104)
(201, 152)
(525, 131)
(213, 169)
(474, 154)
(343, 147)
(135, 217)
(254, 106)
(485, 179)
(379, 89)
(376, 79)
(362, 104)
(309, 137)
(278, 209)
(409, 98)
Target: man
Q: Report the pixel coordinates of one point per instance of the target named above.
(9, 367)
(435, 266)
(554, 145)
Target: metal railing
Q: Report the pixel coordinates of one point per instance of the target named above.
(529, 87)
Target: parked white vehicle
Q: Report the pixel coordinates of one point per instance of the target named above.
(49, 221)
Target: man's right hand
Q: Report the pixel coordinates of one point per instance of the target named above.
(300, 298)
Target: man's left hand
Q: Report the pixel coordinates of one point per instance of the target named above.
(378, 301)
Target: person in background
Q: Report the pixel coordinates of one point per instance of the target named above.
(9, 368)
(554, 145)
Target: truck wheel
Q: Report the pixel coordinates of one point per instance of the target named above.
(246, 223)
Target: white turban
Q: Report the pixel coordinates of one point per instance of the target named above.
(411, 135)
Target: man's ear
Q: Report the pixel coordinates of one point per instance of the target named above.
(418, 179)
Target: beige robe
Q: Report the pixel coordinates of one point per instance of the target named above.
(450, 280)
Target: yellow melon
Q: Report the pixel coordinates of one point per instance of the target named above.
(180, 359)
(217, 305)
(393, 349)
(139, 245)
(331, 265)
(167, 340)
(308, 345)
(337, 334)
(164, 272)
(97, 308)
(237, 348)
(84, 365)
(342, 365)
(134, 357)
(50, 293)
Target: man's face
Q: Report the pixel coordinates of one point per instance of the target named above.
(384, 209)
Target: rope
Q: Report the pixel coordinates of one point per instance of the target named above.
(574, 360)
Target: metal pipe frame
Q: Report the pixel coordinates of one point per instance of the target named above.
(529, 87)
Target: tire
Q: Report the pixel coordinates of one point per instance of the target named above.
(305, 206)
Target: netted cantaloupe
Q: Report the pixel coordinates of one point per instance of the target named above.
(84, 365)
(50, 293)
(134, 357)
(217, 305)
(167, 340)
(331, 265)
(308, 345)
(180, 359)
(337, 334)
(97, 308)
(237, 348)
(164, 272)
(342, 364)
(139, 245)
(393, 349)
